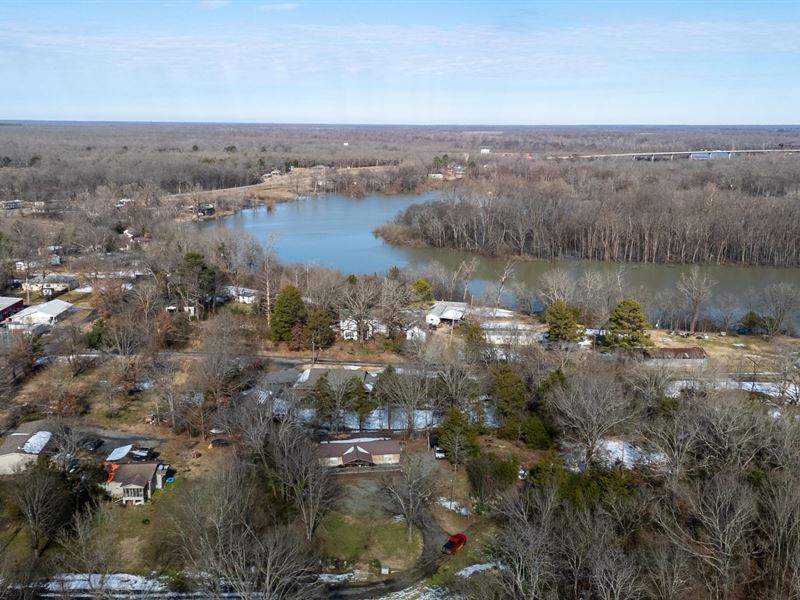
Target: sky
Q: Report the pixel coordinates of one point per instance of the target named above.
(394, 62)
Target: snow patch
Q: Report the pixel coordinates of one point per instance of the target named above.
(452, 505)
(467, 571)
(116, 582)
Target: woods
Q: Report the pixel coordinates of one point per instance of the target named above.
(682, 213)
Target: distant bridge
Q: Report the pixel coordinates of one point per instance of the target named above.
(671, 155)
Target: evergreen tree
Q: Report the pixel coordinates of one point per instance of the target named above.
(508, 390)
(321, 396)
(563, 323)
(361, 400)
(458, 437)
(288, 311)
(423, 291)
(318, 330)
(627, 326)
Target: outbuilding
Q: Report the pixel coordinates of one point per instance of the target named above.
(20, 448)
(48, 313)
(449, 312)
(9, 306)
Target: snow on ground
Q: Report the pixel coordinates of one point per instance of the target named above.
(115, 582)
(485, 311)
(467, 571)
(773, 390)
(628, 454)
(452, 505)
(335, 577)
(419, 592)
(87, 289)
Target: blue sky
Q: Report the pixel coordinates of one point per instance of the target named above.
(402, 62)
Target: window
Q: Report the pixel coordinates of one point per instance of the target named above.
(134, 492)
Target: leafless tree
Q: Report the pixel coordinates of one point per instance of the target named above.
(294, 463)
(556, 285)
(614, 575)
(411, 491)
(696, 292)
(42, 502)
(676, 438)
(89, 546)
(225, 550)
(779, 300)
(590, 407)
(358, 300)
(526, 544)
(409, 390)
(715, 528)
(668, 575)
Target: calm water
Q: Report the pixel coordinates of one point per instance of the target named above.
(336, 232)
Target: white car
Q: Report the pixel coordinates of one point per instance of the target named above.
(438, 453)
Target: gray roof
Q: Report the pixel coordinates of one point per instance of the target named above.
(134, 473)
(54, 308)
(449, 310)
(23, 442)
(8, 301)
(358, 449)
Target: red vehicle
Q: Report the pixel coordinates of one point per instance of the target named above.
(454, 544)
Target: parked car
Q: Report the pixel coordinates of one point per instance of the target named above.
(140, 453)
(439, 453)
(454, 544)
(90, 443)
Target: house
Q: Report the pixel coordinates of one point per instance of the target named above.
(9, 306)
(134, 483)
(48, 313)
(692, 356)
(20, 448)
(451, 312)
(415, 332)
(360, 452)
(11, 204)
(348, 328)
(486, 150)
(240, 294)
(54, 282)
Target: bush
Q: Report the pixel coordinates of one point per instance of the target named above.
(489, 476)
(535, 434)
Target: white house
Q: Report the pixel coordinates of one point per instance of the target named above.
(415, 332)
(240, 294)
(348, 328)
(134, 483)
(48, 313)
(54, 281)
(21, 448)
(452, 312)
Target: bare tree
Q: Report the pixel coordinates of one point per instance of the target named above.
(588, 408)
(411, 491)
(715, 528)
(668, 573)
(556, 285)
(779, 300)
(696, 292)
(409, 390)
(225, 550)
(40, 496)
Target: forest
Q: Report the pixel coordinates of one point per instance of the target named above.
(738, 211)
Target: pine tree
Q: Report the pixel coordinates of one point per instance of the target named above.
(423, 291)
(318, 329)
(627, 326)
(508, 390)
(321, 396)
(289, 310)
(361, 400)
(563, 323)
(458, 437)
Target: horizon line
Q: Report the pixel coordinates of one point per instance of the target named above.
(6, 122)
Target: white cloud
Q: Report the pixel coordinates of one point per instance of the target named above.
(213, 4)
(277, 7)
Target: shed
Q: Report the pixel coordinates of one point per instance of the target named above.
(9, 306)
(687, 356)
(452, 312)
(48, 313)
(21, 448)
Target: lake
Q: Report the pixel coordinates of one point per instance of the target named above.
(336, 231)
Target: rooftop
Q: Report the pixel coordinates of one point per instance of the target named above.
(53, 308)
(357, 449)
(133, 473)
(8, 301)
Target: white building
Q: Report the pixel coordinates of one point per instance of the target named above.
(452, 312)
(241, 295)
(48, 313)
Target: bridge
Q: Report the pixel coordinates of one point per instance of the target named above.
(671, 155)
